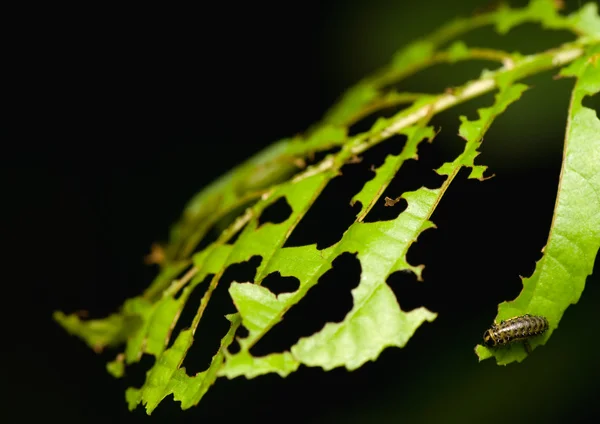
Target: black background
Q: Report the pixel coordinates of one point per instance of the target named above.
(122, 115)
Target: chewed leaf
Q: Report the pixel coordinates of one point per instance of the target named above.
(100, 333)
(373, 189)
(167, 378)
(261, 310)
(574, 239)
(376, 320)
(473, 131)
(583, 21)
(237, 207)
(377, 324)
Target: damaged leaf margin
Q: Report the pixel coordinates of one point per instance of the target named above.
(574, 237)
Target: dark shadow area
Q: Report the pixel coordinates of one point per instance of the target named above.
(329, 300)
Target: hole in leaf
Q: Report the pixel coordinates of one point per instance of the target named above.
(413, 174)
(457, 255)
(329, 300)
(513, 142)
(136, 372)
(409, 292)
(278, 284)
(213, 324)
(241, 272)
(234, 347)
(592, 102)
(277, 212)
(386, 209)
(376, 155)
(473, 260)
(189, 309)
(241, 333)
(331, 214)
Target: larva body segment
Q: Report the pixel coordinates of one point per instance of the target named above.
(515, 330)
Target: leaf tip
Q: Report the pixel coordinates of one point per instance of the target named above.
(482, 352)
(132, 397)
(116, 368)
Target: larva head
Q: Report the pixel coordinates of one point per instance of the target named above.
(488, 338)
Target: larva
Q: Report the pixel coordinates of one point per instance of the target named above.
(515, 329)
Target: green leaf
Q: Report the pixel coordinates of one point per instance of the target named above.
(574, 239)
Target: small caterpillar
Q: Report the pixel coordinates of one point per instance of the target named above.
(515, 329)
